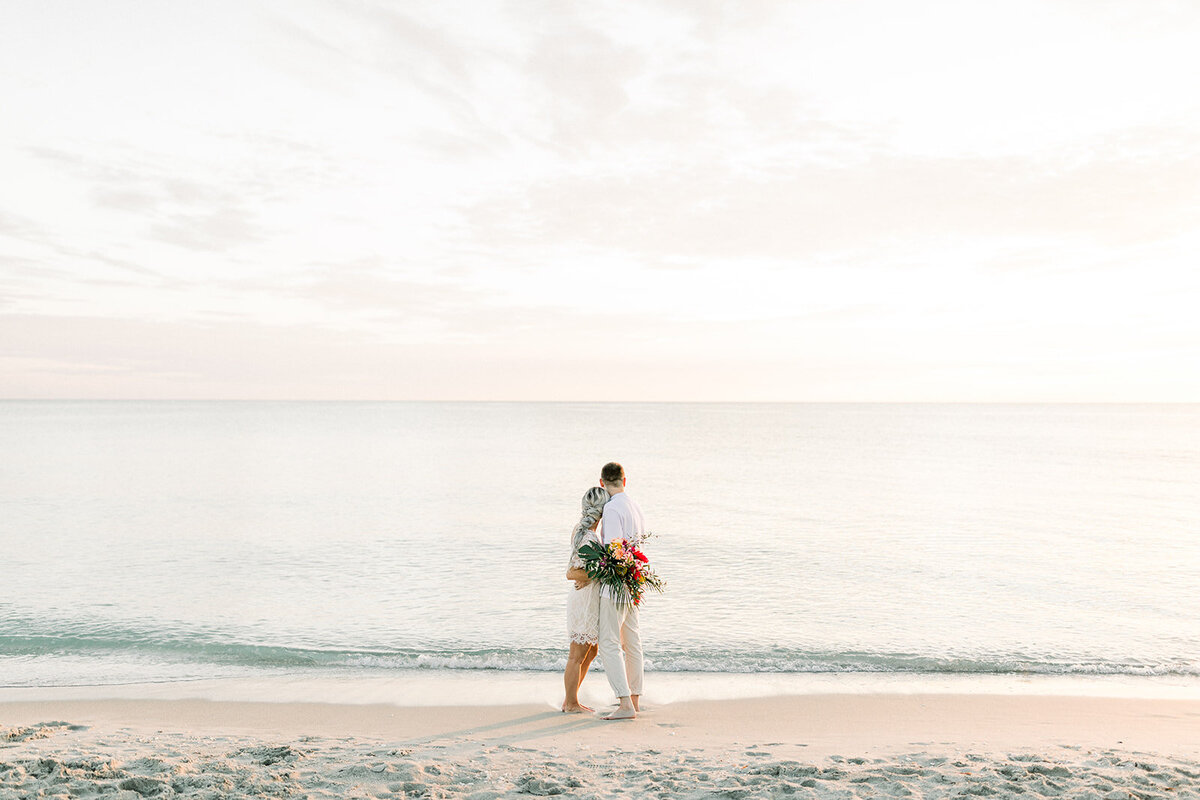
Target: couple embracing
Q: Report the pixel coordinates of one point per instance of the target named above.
(596, 621)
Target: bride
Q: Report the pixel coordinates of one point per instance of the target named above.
(583, 602)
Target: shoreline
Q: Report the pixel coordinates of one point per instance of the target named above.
(424, 687)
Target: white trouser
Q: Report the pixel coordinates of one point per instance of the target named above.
(624, 669)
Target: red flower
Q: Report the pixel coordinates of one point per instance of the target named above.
(640, 556)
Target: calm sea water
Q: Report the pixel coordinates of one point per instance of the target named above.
(179, 540)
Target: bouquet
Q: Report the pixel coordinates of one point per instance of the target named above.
(622, 566)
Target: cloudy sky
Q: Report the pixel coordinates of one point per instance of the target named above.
(692, 200)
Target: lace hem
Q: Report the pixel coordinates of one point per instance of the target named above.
(584, 638)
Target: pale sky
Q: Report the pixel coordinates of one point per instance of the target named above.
(797, 201)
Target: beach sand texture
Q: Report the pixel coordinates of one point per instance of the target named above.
(827, 746)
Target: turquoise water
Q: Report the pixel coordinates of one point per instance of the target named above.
(174, 540)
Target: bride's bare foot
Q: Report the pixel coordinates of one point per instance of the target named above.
(576, 708)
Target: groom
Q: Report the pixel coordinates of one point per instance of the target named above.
(620, 643)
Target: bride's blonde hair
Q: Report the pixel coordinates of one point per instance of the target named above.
(593, 508)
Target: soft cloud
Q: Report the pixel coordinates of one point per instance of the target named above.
(807, 209)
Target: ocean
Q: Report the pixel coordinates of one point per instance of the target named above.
(150, 542)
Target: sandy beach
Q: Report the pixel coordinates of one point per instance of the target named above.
(835, 745)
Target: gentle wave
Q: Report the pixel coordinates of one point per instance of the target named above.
(552, 659)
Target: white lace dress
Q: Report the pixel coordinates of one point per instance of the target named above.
(583, 605)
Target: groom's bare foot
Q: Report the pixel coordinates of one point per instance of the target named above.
(577, 708)
(621, 713)
(636, 705)
(624, 710)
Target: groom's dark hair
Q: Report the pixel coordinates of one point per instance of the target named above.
(612, 472)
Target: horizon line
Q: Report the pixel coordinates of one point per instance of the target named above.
(598, 402)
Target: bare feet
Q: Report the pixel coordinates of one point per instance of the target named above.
(576, 708)
(621, 713)
(624, 710)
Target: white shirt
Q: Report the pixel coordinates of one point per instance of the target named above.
(622, 518)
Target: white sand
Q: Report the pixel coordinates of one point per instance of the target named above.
(844, 746)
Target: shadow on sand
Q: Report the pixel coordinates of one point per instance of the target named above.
(519, 729)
